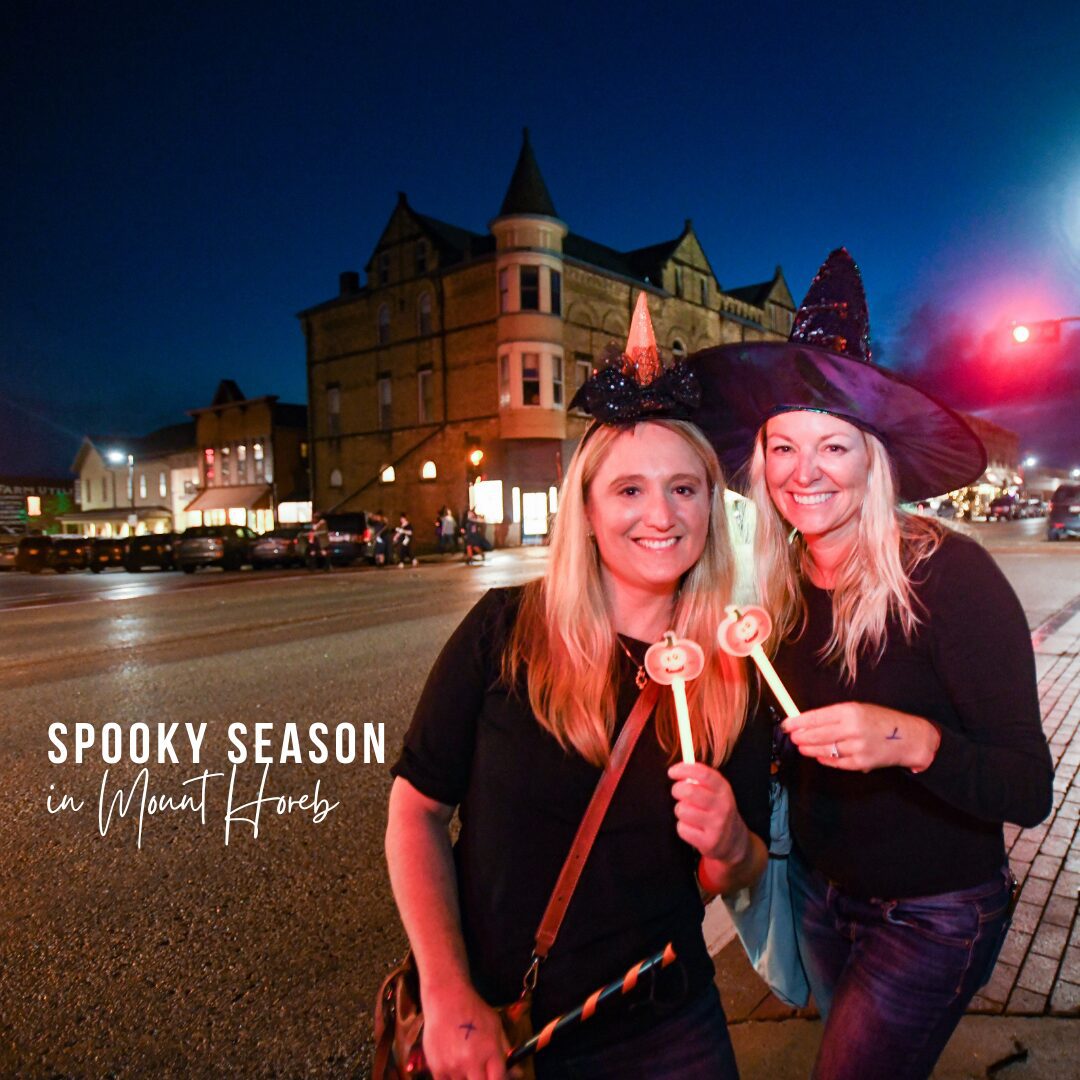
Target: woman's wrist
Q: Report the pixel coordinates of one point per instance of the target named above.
(923, 747)
(718, 876)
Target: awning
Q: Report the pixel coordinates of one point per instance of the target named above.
(243, 496)
(119, 513)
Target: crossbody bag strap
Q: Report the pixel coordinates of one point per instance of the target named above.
(590, 823)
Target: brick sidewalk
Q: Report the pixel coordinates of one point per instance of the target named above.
(1038, 973)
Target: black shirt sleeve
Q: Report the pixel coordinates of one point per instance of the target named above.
(997, 766)
(436, 757)
(747, 769)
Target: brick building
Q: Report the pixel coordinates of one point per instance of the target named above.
(461, 341)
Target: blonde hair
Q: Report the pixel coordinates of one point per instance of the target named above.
(565, 639)
(872, 583)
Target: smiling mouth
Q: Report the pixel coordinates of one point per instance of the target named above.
(675, 670)
(657, 545)
(812, 500)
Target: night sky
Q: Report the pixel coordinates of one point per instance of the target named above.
(182, 178)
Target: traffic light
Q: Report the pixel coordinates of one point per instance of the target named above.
(1043, 332)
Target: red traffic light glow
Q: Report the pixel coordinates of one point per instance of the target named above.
(1044, 332)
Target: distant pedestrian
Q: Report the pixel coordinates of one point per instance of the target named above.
(319, 544)
(403, 538)
(476, 543)
(447, 531)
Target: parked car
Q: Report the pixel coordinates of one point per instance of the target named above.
(348, 538)
(1034, 508)
(1063, 514)
(151, 549)
(1004, 508)
(284, 546)
(69, 553)
(106, 551)
(33, 553)
(9, 548)
(227, 546)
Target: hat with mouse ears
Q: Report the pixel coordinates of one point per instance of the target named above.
(635, 385)
(825, 366)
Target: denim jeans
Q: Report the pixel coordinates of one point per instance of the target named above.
(691, 1044)
(892, 978)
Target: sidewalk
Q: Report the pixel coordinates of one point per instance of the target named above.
(1026, 1021)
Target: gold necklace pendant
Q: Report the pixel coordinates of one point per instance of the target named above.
(640, 678)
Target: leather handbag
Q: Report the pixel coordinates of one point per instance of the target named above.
(399, 1017)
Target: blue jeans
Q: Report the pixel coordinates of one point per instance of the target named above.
(892, 978)
(691, 1044)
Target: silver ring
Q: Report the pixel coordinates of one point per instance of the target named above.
(835, 751)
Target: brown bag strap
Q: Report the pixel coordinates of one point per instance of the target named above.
(590, 823)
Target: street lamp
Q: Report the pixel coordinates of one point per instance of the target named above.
(1041, 331)
(1030, 462)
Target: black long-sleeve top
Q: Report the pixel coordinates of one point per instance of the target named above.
(970, 670)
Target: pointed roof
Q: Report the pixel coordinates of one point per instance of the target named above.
(527, 193)
(759, 293)
(227, 393)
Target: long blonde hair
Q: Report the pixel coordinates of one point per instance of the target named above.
(565, 638)
(872, 583)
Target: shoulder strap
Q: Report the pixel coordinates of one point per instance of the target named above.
(594, 816)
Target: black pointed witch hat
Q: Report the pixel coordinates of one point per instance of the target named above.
(825, 366)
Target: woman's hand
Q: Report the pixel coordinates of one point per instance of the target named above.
(708, 819)
(463, 1036)
(860, 737)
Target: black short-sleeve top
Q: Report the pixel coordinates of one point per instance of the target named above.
(475, 745)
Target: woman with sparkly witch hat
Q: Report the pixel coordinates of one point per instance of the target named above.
(910, 656)
(529, 704)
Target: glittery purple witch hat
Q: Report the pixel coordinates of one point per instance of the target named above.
(825, 366)
(634, 385)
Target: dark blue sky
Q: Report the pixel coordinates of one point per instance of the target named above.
(182, 178)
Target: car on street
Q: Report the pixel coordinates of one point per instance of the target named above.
(69, 553)
(33, 553)
(9, 548)
(151, 549)
(349, 538)
(283, 546)
(227, 546)
(106, 551)
(1063, 514)
(1004, 508)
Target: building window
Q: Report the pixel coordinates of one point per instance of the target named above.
(142, 485)
(384, 268)
(333, 410)
(241, 463)
(384, 324)
(385, 413)
(260, 463)
(226, 462)
(678, 281)
(336, 479)
(530, 288)
(530, 378)
(678, 349)
(504, 290)
(583, 368)
(104, 493)
(425, 395)
(704, 292)
(421, 256)
(423, 314)
(428, 471)
(208, 466)
(515, 505)
(556, 381)
(387, 474)
(504, 381)
(556, 292)
(163, 484)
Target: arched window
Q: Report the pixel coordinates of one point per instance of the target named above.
(336, 479)
(428, 471)
(384, 324)
(388, 476)
(423, 314)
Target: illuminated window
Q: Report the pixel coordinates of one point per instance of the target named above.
(194, 518)
(226, 461)
(553, 498)
(530, 288)
(425, 394)
(258, 457)
(515, 504)
(423, 314)
(163, 484)
(530, 378)
(504, 381)
(385, 411)
(387, 475)
(384, 324)
(237, 515)
(534, 511)
(504, 290)
(336, 479)
(142, 485)
(33, 506)
(428, 471)
(486, 496)
(333, 409)
(556, 292)
(208, 466)
(556, 381)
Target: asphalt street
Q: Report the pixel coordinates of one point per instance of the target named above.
(172, 953)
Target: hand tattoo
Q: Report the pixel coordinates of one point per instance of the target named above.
(469, 1028)
(895, 734)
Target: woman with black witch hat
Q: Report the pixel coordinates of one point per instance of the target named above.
(910, 655)
(529, 704)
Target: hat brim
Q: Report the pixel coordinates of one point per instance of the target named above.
(932, 448)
